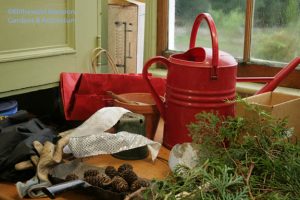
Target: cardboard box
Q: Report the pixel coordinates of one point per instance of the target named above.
(126, 24)
(279, 105)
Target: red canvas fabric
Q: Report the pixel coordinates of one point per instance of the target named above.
(84, 94)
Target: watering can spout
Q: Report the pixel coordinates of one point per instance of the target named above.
(270, 86)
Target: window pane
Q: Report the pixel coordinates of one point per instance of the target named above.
(276, 31)
(229, 17)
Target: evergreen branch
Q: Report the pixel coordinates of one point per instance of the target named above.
(248, 178)
(241, 158)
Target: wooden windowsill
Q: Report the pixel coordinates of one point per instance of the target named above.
(251, 88)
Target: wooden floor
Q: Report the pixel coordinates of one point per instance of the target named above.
(144, 168)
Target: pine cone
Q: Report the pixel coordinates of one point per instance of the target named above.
(90, 172)
(129, 176)
(100, 180)
(137, 184)
(111, 171)
(104, 179)
(119, 184)
(71, 177)
(124, 167)
(93, 180)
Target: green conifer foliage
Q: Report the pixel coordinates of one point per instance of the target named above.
(240, 158)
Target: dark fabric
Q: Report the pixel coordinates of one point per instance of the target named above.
(16, 146)
(19, 117)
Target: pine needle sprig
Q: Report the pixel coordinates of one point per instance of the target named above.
(204, 182)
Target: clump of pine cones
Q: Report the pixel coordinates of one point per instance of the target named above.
(122, 180)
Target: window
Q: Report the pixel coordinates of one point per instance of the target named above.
(229, 21)
(276, 30)
(261, 34)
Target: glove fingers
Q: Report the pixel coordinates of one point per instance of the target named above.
(57, 157)
(38, 147)
(28, 164)
(65, 133)
(24, 165)
(46, 161)
(35, 160)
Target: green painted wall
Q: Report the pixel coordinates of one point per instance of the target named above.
(32, 55)
(150, 29)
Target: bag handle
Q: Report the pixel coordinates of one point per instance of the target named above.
(96, 53)
(214, 39)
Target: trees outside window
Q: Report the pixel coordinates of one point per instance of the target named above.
(274, 30)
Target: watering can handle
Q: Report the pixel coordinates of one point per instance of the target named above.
(214, 39)
(157, 99)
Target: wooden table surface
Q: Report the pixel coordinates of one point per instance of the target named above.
(144, 168)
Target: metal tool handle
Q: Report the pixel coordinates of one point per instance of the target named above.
(214, 39)
(59, 188)
(272, 82)
(157, 99)
(282, 74)
(120, 98)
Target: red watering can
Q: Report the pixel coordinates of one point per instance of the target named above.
(201, 79)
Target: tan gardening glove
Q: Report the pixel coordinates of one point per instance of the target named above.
(48, 156)
(46, 161)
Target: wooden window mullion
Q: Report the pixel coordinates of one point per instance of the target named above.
(162, 26)
(248, 30)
